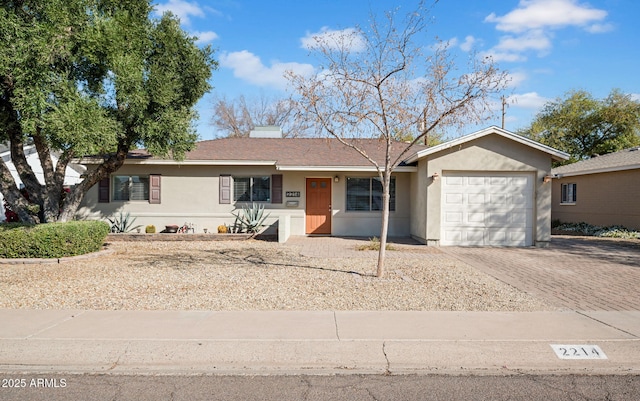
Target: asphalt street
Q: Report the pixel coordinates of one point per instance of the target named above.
(96, 387)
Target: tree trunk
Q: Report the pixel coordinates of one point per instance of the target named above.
(383, 233)
(13, 130)
(384, 229)
(74, 198)
(54, 179)
(12, 195)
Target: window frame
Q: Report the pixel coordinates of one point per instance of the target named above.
(251, 190)
(372, 195)
(145, 180)
(568, 193)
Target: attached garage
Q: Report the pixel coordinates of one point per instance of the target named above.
(485, 208)
(489, 188)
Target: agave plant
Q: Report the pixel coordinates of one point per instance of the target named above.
(252, 218)
(123, 223)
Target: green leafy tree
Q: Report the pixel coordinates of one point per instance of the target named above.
(583, 126)
(91, 77)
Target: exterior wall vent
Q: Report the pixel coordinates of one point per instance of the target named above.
(266, 131)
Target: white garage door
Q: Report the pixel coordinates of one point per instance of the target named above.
(487, 209)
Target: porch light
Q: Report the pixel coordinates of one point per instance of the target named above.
(547, 179)
(435, 176)
(336, 179)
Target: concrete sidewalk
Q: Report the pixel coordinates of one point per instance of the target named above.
(324, 342)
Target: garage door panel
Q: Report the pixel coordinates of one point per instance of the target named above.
(498, 199)
(453, 181)
(519, 182)
(473, 237)
(496, 237)
(520, 219)
(500, 182)
(453, 218)
(452, 235)
(498, 220)
(488, 209)
(506, 238)
(454, 199)
(477, 199)
(475, 218)
(521, 199)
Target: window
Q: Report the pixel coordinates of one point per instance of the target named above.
(252, 189)
(365, 194)
(130, 187)
(568, 193)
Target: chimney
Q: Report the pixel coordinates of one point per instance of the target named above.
(266, 131)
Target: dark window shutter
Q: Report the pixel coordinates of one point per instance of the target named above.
(276, 188)
(103, 190)
(225, 189)
(154, 188)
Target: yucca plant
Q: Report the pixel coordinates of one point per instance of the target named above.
(123, 223)
(252, 218)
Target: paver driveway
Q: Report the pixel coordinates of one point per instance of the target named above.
(578, 273)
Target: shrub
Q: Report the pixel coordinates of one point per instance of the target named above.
(374, 245)
(597, 231)
(52, 240)
(151, 229)
(222, 229)
(251, 219)
(123, 223)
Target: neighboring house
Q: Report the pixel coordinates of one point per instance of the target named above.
(72, 175)
(601, 191)
(486, 188)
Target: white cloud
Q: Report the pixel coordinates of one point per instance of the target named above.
(182, 9)
(533, 40)
(635, 96)
(537, 14)
(512, 48)
(531, 25)
(516, 78)
(530, 100)
(248, 67)
(348, 39)
(468, 43)
(600, 28)
(205, 37)
(497, 56)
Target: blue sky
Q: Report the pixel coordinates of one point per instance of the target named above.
(548, 47)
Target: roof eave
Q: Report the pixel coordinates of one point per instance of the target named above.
(596, 171)
(169, 162)
(368, 169)
(554, 153)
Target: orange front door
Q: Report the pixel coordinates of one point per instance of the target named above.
(318, 206)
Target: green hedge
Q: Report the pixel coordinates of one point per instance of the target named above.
(52, 240)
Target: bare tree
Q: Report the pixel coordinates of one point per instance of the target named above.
(237, 117)
(380, 82)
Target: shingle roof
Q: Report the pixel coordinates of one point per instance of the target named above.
(300, 152)
(627, 159)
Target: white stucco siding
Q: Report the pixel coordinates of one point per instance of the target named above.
(488, 154)
(191, 194)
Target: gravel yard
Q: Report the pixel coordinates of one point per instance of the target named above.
(255, 275)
